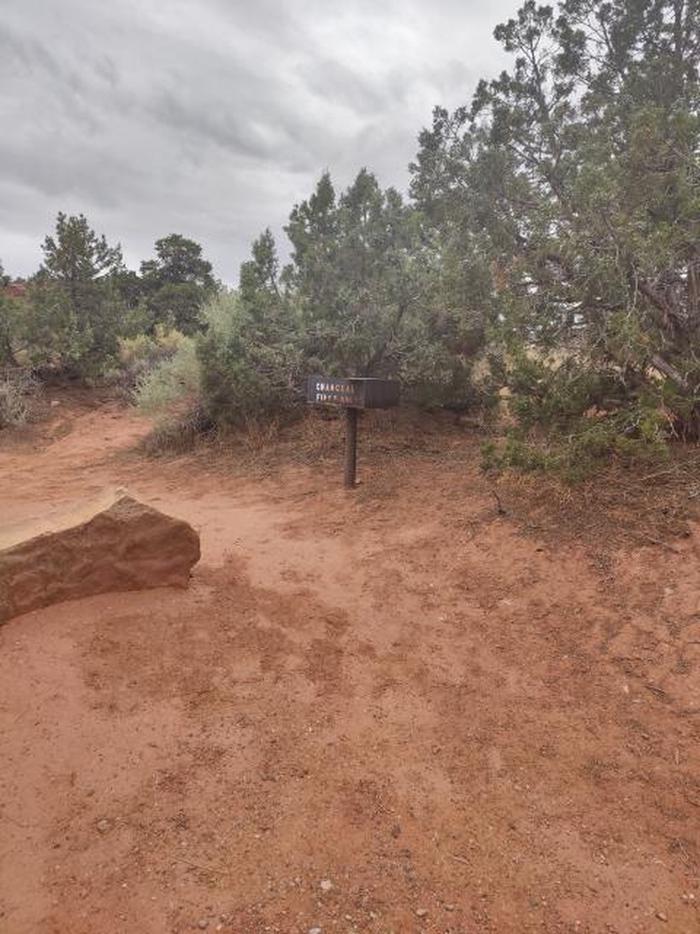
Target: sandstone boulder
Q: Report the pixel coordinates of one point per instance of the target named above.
(115, 543)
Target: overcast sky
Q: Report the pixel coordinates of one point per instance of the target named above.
(210, 118)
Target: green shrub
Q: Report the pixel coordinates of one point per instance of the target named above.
(171, 391)
(173, 384)
(632, 436)
(249, 365)
(554, 394)
(137, 356)
(574, 415)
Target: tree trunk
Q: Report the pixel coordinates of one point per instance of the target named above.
(663, 366)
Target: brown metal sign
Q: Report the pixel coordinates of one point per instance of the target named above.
(353, 393)
(328, 391)
(357, 391)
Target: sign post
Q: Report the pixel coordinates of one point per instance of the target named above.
(352, 394)
(350, 447)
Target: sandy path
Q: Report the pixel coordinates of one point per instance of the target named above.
(457, 727)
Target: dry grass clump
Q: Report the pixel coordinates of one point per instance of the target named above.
(619, 505)
(19, 390)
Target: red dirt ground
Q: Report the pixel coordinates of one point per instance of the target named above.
(397, 691)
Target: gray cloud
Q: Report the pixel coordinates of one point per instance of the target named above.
(212, 117)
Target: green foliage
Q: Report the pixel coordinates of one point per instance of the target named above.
(73, 314)
(573, 416)
(129, 287)
(140, 355)
(168, 386)
(361, 296)
(624, 438)
(363, 276)
(77, 257)
(551, 246)
(177, 283)
(60, 337)
(249, 360)
(178, 305)
(178, 259)
(554, 394)
(10, 318)
(574, 179)
(172, 383)
(137, 319)
(243, 367)
(83, 302)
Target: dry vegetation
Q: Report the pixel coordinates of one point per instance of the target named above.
(622, 504)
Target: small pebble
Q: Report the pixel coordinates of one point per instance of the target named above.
(421, 912)
(315, 930)
(103, 825)
(661, 916)
(326, 885)
(202, 924)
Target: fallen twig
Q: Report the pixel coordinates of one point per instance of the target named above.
(658, 541)
(656, 690)
(499, 506)
(200, 866)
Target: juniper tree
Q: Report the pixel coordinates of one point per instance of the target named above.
(74, 312)
(177, 283)
(575, 179)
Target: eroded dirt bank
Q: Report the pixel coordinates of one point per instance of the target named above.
(392, 711)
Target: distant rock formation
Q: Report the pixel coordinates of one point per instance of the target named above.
(114, 544)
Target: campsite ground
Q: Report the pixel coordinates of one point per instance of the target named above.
(398, 709)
